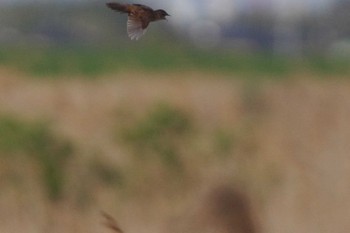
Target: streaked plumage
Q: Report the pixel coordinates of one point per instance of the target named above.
(139, 17)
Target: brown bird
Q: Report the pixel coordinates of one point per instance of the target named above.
(139, 17)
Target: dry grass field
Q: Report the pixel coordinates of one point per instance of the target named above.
(169, 153)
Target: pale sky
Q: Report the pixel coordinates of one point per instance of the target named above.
(202, 20)
(222, 5)
(183, 11)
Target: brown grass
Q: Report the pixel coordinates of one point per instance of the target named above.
(289, 160)
(111, 223)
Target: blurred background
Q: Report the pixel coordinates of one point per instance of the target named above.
(232, 116)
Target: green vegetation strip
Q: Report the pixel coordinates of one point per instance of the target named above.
(91, 62)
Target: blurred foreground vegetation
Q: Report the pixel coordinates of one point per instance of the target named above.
(33, 142)
(164, 148)
(170, 153)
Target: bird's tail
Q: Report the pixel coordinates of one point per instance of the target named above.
(118, 7)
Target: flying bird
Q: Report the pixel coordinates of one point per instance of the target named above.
(139, 17)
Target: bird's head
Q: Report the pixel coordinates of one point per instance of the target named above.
(161, 14)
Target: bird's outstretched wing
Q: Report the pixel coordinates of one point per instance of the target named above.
(134, 28)
(144, 7)
(124, 8)
(139, 17)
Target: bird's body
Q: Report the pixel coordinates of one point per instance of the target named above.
(139, 17)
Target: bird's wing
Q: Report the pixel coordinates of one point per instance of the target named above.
(147, 8)
(135, 28)
(124, 8)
